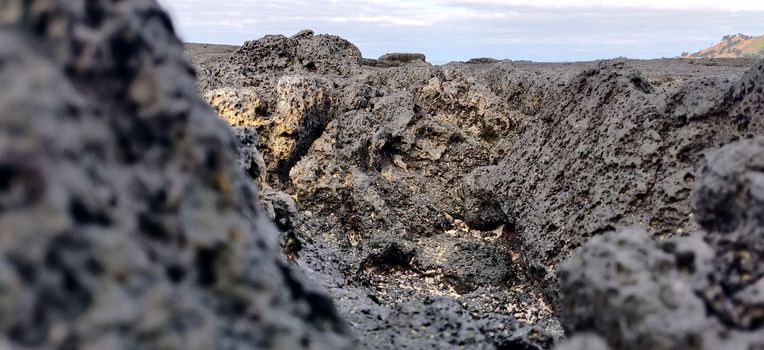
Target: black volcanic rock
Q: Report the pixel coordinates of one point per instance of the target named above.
(377, 63)
(625, 287)
(701, 292)
(403, 57)
(304, 52)
(126, 221)
(745, 102)
(729, 204)
(481, 60)
(611, 151)
(424, 187)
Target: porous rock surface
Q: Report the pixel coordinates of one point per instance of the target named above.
(463, 187)
(698, 292)
(608, 151)
(703, 291)
(125, 220)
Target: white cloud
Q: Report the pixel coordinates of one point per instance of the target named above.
(460, 29)
(729, 5)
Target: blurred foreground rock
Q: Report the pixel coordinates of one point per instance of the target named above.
(125, 220)
(699, 292)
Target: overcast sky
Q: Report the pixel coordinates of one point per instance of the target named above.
(539, 30)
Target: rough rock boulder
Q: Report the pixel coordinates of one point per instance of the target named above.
(403, 57)
(699, 292)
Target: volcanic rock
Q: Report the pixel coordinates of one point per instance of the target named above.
(687, 292)
(377, 63)
(613, 150)
(482, 60)
(469, 184)
(126, 220)
(403, 57)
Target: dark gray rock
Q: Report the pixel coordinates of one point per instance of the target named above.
(637, 293)
(126, 221)
(612, 150)
(482, 60)
(304, 52)
(440, 323)
(476, 180)
(265, 61)
(280, 208)
(729, 204)
(686, 292)
(303, 34)
(377, 63)
(473, 265)
(250, 159)
(403, 57)
(626, 288)
(744, 102)
(483, 209)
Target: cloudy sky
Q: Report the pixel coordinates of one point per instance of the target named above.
(539, 30)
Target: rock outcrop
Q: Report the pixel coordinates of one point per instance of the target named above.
(422, 186)
(482, 60)
(261, 62)
(403, 57)
(371, 157)
(702, 291)
(126, 221)
(610, 152)
(744, 104)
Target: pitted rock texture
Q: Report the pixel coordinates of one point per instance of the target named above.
(126, 221)
(699, 292)
(610, 151)
(625, 286)
(302, 110)
(472, 182)
(745, 102)
(729, 202)
(255, 62)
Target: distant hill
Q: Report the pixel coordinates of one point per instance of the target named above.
(733, 46)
